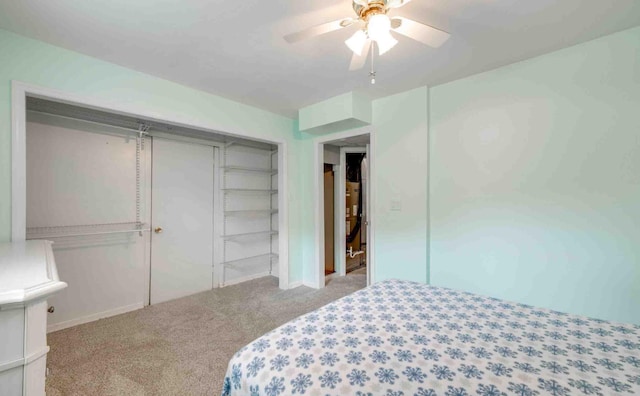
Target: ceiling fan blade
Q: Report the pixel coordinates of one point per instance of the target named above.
(420, 32)
(396, 3)
(358, 61)
(318, 30)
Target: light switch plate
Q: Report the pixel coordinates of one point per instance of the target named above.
(396, 206)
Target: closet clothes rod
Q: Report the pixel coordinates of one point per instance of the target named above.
(132, 130)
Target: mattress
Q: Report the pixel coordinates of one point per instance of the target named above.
(400, 338)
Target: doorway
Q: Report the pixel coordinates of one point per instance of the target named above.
(344, 240)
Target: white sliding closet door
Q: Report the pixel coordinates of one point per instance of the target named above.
(182, 216)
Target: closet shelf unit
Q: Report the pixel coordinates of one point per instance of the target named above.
(250, 232)
(248, 235)
(249, 169)
(243, 260)
(250, 212)
(250, 190)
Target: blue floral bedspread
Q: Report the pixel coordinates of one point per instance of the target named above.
(405, 338)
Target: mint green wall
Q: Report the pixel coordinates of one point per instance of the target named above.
(41, 64)
(535, 180)
(306, 221)
(534, 193)
(400, 123)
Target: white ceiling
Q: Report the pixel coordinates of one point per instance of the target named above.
(234, 48)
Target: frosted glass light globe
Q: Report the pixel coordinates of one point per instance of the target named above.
(378, 27)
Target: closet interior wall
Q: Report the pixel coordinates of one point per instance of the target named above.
(87, 192)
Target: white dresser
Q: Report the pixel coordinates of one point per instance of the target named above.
(28, 276)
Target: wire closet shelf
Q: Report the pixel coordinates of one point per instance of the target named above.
(86, 230)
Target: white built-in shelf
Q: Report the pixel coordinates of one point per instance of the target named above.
(250, 190)
(268, 171)
(231, 263)
(250, 213)
(249, 234)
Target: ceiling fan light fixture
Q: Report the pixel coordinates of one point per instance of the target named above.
(357, 42)
(378, 26)
(385, 43)
(375, 28)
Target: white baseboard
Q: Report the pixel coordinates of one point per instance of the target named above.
(293, 285)
(245, 279)
(94, 317)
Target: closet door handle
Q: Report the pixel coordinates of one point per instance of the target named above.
(158, 230)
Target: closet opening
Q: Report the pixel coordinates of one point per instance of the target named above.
(142, 210)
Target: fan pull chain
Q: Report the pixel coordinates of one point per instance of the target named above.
(372, 73)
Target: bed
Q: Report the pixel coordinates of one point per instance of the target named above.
(404, 338)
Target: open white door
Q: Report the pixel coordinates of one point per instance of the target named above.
(355, 141)
(365, 214)
(182, 219)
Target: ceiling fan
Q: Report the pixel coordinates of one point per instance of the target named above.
(375, 27)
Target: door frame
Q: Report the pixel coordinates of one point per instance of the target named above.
(318, 263)
(21, 90)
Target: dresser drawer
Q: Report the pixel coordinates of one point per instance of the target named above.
(11, 381)
(35, 375)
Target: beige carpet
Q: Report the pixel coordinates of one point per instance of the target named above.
(359, 271)
(180, 347)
